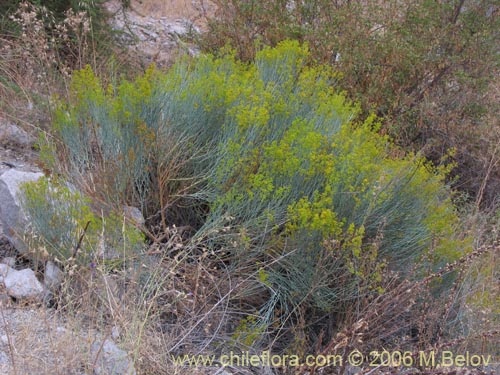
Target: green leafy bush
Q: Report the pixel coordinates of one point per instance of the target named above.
(273, 172)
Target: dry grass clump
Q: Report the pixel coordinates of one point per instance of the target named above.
(38, 52)
(33, 58)
(187, 305)
(44, 341)
(178, 298)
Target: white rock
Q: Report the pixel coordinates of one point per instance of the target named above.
(21, 284)
(53, 276)
(150, 33)
(12, 216)
(111, 360)
(179, 28)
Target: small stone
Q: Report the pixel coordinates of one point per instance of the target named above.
(21, 284)
(115, 332)
(53, 276)
(111, 360)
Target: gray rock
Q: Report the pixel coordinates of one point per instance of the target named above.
(156, 39)
(115, 332)
(21, 284)
(53, 276)
(11, 134)
(111, 360)
(12, 216)
(134, 215)
(178, 27)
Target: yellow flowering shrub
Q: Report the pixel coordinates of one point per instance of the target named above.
(271, 166)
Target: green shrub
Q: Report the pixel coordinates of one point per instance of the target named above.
(270, 167)
(426, 67)
(63, 227)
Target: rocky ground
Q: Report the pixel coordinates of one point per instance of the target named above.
(33, 339)
(158, 31)
(16, 152)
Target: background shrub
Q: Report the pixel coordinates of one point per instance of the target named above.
(41, 43)
(57, 8)
(427, 68)
(273, 173)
